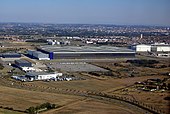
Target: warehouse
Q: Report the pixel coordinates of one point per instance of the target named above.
(160, 48)
(11, 55)
(151, 48)
(38, 55)
(24, 65)
(142, 48)
(42, 75)
(86, 52)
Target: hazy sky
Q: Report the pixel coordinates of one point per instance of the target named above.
(140, 12)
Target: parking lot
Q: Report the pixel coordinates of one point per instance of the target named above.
(75, 67)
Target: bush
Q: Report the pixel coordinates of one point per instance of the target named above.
(10, 108)
(47, 105)
(163, 66)
(167, 98)
(31, 110)
(144, 62)
(94, 73)
(108, 73)
(53, 106)
(1, 66)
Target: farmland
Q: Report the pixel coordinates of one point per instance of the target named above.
(73, 96)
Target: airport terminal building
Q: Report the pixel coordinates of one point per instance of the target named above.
(86, 52)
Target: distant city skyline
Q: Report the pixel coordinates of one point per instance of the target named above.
(118, 12)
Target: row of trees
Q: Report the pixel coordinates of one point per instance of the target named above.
(40, 108)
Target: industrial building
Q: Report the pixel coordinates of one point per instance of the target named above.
(86, 52)
(151, 48)
(10, 55)
(38, 55)
(24, 65)
(160, 48)
(142, 48)
(42, 75)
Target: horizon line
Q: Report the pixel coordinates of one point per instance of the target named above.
(90, 24)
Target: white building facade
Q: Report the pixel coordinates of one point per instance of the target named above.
(163, 48)
(143, 48)
(26, 69)
(42, 75)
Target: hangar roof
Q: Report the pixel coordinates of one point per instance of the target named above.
(85, 49)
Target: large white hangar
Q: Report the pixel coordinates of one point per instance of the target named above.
(86, 52)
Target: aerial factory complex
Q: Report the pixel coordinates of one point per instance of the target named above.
(84, 56)
(75, 69)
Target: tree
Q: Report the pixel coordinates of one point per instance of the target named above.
(53, 106)
(1, 66)
(31, 110)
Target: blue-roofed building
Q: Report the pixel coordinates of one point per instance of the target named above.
(24, 65)
(38, 55)
(11, 55)
(86, 52)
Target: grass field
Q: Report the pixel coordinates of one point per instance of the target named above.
(91, 106)
(4, 111)
(21, 99)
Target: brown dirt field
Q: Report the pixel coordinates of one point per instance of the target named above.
(113, 85)
(154, 99)
(93, 84)
(23, 99)
(92, 107)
